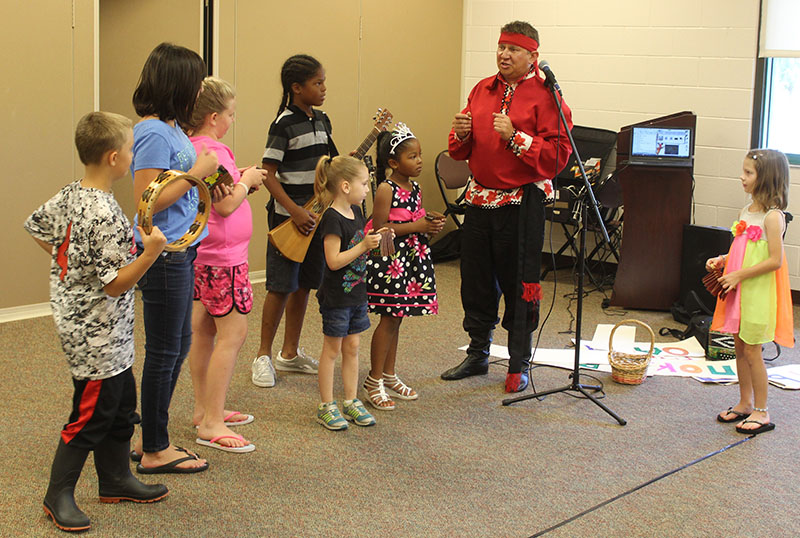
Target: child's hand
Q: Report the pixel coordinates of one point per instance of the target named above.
(305, 220)
(206, 163)
(715, 263)
(252, 177)
(386, 230)
(154, 242)
(434, 226)
(372, 240)
(430, 226)
(730, 281)
(220, 192)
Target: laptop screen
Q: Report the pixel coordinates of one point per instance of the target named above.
(666, 145)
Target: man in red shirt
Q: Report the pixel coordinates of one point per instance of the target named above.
(511, 133)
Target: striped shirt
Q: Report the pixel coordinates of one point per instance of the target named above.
(295, 144)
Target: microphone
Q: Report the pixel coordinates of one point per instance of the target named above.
(549, 77)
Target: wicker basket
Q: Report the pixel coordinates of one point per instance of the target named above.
(629, 368)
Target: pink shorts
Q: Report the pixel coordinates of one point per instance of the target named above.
(222, 288)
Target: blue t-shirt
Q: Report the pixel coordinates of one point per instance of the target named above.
(158, 145)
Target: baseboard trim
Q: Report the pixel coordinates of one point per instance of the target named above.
(17, 313)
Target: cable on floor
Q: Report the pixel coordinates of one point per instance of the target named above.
(640, 486)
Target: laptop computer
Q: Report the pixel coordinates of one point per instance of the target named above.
(661, 146)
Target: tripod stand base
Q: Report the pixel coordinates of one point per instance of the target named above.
(574, 387)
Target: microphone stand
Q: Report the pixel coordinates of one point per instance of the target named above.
(575, 384)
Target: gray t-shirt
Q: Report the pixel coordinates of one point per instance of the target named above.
(92, 240)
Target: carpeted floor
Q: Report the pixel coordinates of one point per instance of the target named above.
(454, 463)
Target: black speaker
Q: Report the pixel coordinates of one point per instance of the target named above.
(699, 244)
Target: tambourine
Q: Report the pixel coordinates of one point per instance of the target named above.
(153, 191)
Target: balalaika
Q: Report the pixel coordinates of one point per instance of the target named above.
(286, 237)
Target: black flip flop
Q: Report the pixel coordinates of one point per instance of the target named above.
(135, 456)
(755, 431)
(172, 467)
(739, 416)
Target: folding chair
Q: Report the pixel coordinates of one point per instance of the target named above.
(452, 175)
(592, 143)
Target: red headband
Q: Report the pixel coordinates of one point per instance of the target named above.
(520, 40)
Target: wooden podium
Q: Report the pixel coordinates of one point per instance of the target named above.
(658, 202)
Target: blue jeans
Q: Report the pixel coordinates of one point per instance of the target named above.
(167, 292)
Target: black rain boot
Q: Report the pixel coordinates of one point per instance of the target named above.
(476, 362)
(520, 351)
(59, 501)
(111, 459)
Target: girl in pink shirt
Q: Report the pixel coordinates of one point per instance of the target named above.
(222, 291)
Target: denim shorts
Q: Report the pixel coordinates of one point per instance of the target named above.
(341, 322)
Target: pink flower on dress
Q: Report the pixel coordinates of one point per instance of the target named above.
(433, 309)
(422, 250)
(403, 195)
(414, 288)
(754, 233)
(395, 268)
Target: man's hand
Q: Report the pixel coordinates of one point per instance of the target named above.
(503, 126)
(462, 125)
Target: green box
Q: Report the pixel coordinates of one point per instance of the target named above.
(721, 346)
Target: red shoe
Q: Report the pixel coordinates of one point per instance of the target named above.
(516, 382)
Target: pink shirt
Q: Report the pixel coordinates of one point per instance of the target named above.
(228, 237)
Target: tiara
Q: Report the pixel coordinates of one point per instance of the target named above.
(400, 134)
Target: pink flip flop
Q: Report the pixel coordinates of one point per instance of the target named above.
(248, 419)
(214, 443)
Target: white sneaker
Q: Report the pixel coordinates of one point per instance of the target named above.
(263, 372)
(301, 363)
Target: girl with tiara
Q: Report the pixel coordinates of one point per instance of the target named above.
(756, 306)
(402, 284)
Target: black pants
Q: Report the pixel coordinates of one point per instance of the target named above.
(102, 408)
(489, 269)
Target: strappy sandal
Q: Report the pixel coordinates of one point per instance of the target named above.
(400, 389)
(376, 394)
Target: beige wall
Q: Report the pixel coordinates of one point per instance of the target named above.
(48, 86)
(624, 61)
(375, 54)
(128, 32)
(368, 65)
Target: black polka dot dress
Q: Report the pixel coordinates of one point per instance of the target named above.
(403, 284)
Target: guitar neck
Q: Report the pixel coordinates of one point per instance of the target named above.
(363, 148)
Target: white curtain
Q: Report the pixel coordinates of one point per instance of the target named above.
(779, 29)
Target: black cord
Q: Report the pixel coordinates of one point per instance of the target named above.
(543, 322)
(640, 486)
